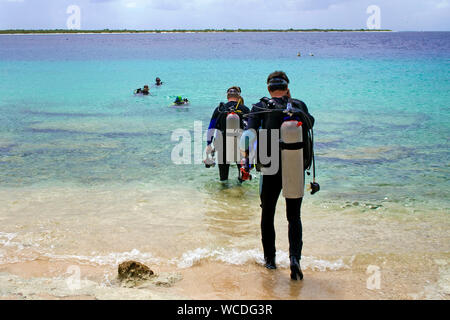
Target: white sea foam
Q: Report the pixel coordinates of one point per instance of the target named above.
(5, 238)
(323, 265)
(112, 259)
(188, 259)
(15, 252)
(6, 245)
(241, 257)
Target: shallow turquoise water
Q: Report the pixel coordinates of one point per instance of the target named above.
(86, 175)
(381, 103)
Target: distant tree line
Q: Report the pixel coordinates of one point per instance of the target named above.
(49, 31)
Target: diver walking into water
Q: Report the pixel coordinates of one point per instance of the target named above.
(290, 117)
(228, 119)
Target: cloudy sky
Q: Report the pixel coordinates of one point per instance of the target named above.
(399, 15)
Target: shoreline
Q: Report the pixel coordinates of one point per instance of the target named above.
(336, 265)
(212, 280)
(128, 32)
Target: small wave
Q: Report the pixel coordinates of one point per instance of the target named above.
(15, 252)
(5, 238)
(7, 244)
(112, 259)
(188, 259)
(241, 257)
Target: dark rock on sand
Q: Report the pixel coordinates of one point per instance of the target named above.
(132, 270)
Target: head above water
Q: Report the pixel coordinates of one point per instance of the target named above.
(234, 94)
(278, 84)
(158, 80)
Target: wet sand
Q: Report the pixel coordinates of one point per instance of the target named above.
(211, 280)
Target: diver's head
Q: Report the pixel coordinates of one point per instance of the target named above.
(278, 84)
(158, 80)
(234, 94)
(146, 88)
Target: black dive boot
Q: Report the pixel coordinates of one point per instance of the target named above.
(270, 263)
(296, 271)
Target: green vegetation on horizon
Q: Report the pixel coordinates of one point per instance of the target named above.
(49, 31)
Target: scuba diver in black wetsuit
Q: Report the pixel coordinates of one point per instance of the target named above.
(273, 114)
(228, 120)
(158, 82)
(145, 91)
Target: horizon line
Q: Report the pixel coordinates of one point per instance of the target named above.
(107, 30)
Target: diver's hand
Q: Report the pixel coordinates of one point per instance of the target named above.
(208, 149)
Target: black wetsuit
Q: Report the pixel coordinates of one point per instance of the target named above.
(219, 122)
(271, 185)
(142, 92)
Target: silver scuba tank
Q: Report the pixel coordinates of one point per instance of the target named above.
(233, 136)
(292, 167)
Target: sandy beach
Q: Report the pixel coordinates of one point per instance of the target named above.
(412, 259)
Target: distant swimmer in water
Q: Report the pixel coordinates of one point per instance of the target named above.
(180, 101)
(145, 91)
(158, 82)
